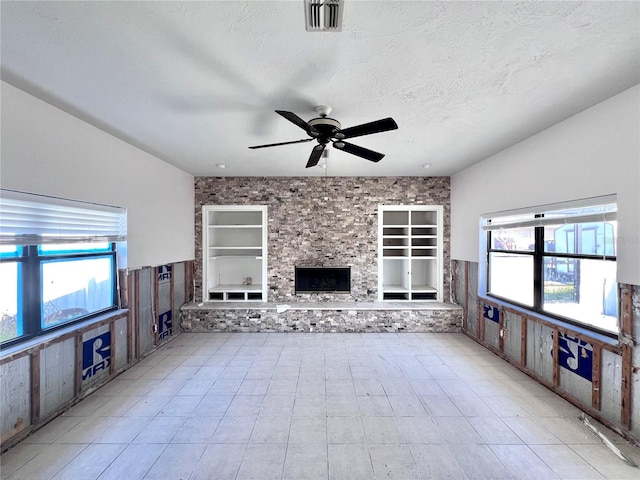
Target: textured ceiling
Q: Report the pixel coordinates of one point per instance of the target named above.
(196, 83)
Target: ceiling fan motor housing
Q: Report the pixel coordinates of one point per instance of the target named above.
(327, 127)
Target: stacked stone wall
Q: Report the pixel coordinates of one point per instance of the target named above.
(322, 221)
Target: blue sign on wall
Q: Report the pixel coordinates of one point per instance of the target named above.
(492, 313)
(576, 355)
(164, 273)
(96, 355)
(164, 325)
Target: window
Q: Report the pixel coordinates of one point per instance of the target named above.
(58, 263)
(556, 260)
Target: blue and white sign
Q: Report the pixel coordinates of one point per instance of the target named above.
(96, 355)
(492, 313)
(165, 329)
(576, 355)
(164, 273)
(165, 325)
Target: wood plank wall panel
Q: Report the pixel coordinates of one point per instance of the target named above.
(16, 394)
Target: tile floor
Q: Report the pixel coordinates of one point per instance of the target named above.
(319, 406)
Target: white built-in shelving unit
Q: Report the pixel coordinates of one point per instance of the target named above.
(234, 252)
(410, 252)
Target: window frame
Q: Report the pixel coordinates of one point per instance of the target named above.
(30, 316)
(42, 229)
(539, 253)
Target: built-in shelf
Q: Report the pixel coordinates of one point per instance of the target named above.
(410, 253)
(235, 253)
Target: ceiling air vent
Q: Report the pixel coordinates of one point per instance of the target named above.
(323, 15)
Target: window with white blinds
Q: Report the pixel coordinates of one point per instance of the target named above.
(58, 262)
(28, 219)
(558, 260)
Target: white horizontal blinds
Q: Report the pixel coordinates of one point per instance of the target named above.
(27, 219)
(598, 209)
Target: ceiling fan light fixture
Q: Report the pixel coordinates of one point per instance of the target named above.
(323, 15)
(338, 145)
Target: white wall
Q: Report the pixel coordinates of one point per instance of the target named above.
(595, 152)
(47, 151)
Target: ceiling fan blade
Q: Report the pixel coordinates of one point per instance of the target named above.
(316, 154)
(367, 128)
(359, 151)
(281, 143)
(295, 119)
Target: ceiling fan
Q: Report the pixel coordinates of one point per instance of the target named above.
(324, 130)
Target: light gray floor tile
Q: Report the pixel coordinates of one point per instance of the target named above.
(177, 461)
(345, 430)
(426, 388)
(407, 406)
(440, 406)
(225, 387)
(116, 406)
(160, 430)
(454, 387)
(456, 430)
(219, 462)
(393, 462)
(133, 463)
(283, 386)
(374, 406)
(181, 405)
(436, 462)
(396, 386)
(522, 462)
(478, 462)
(148, 406)
(252, 386)
(91, 462)
(349, 462)
(342, 406)
(420, 430)
(504, 406)
(122, 430)
(310, 406)
(269, 429)
(531, 431)
(48, 462)
(87, 405)
(87, 430)
(382, 430)
(566, 463)
(308, 430)
(340, 387)
(370, 386)
(262, 462)
(277, 406)
(213, 406)
(245, 406)
(570, 430)
(311, 386)
(197, 430)
(306, 462)
(472, 406)
(606, 462)
(234, 430)
(53, 430)
(15, 458)
(494, 431)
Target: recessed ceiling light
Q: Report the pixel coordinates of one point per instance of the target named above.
(426, 165)
(221, 165)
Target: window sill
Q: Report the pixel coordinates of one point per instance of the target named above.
(555, 321)
(67, 331)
